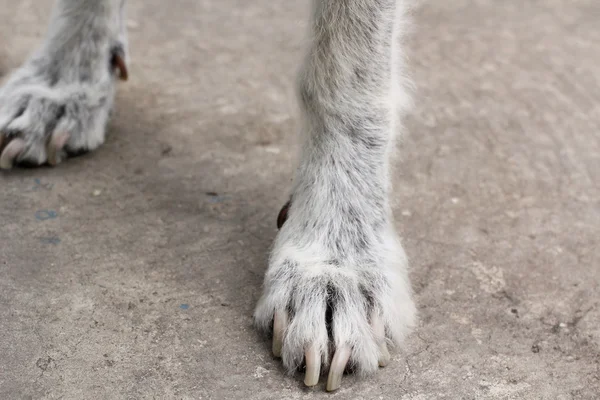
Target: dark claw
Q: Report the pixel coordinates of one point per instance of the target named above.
(283, 214)
(117, 62)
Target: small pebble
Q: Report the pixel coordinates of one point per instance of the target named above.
(273, 150)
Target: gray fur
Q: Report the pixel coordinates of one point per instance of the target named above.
(338, 253)
(67, 85)
(338, 248)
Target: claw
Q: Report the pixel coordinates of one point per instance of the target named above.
(280, 322)
(379, 332)
(11, 152)
(54, 147)
(118, 62)
(313, 366)
(338, 365)
(283, 214)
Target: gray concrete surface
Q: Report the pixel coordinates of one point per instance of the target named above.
(131, 273)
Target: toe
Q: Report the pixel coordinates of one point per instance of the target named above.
(54, 148)
(11, 152)
(379, 334)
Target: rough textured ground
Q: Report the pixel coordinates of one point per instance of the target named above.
(131, 273)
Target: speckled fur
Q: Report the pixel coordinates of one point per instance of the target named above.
(338, 256)
(67, 84)
(337, 259)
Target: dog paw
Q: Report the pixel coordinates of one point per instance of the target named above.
(330, 306)
(59, 102)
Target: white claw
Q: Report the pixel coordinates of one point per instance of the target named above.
(280, 323)
(338, 365)
(313, 365)
(56, 144)
(379, 332)
(11, 152)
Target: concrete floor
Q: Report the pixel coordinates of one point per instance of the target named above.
(132, 272)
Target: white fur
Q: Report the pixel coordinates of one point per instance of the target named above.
(67, 85)
(338, 246)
